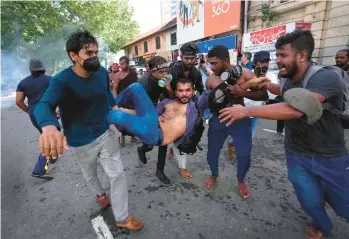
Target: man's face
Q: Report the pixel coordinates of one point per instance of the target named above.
(286, 60)
(124, 65)
(341, 58)
(89, 51)
(160, 73)
(244, 59)
(147, 67)
(141, 72)
(218, 66)
(265, 66)
(184, 92)
(188, 61)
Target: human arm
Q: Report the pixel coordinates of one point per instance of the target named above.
(253, 94)
(110, 96)
(45, 115)
(20, 97)
(322, 86)
(116, 85)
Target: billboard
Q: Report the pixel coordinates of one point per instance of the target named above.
(229, 42)
(198, 19)
(265, 39)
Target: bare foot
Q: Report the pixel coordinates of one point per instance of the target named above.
(185, 173)
(210, 182)
(243, 190)
(313, 233)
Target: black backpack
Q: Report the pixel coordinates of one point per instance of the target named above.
(190, 143)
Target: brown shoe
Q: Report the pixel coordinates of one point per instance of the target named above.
(131, 223)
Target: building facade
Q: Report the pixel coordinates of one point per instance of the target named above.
(161, 41)
(168, 9)
(329, 23)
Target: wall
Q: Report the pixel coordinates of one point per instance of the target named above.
(168, 39)
(151, 45)
(329, 23)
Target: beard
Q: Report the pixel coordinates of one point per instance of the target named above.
(184, 100)
(288, 71)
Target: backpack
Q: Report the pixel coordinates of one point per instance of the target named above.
(189, 144)
(344, 77)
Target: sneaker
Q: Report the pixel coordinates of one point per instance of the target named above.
(141, 155)
(131, 223)
(103, 201)
(162, 176)
(46, 176)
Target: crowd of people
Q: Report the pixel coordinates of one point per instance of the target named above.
(167, 107)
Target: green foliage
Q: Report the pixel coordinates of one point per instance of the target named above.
(30, 20)
(39, 29)
(268, 16)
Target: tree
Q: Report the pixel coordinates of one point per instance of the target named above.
(268, 16)
(40, 28)
(109, 20)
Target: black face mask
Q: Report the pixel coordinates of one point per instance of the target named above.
(91, 64)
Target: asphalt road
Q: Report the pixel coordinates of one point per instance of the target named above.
(64, 207)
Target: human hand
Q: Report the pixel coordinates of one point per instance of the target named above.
(51, 141)
(232, 113)
(115, 107)
(235, 90)
(263, 85)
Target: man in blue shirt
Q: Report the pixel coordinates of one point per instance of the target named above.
(83, 94)
(33, 88)
(246, 61)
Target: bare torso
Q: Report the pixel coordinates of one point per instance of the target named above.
(173, 121)
(213, 81)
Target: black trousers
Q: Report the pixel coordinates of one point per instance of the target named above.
(161, 155)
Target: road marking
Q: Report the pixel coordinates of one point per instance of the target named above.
(101, 228)
(272, 131)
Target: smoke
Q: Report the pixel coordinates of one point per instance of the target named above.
(49, 49)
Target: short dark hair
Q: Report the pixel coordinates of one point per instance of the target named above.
(125, 59)
(182, 80)
(219, 51)
(189, 49)
(248, 55)
(344, 50)
(37, 73)
(300, 40)
(79, 40)
(155, 61)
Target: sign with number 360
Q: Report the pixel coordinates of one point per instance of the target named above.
(220, 7)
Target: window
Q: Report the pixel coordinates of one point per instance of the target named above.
(157, 42)
(145, 46)
(136, 50)
(174, 38)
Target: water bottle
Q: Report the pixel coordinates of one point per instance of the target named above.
(162, 81)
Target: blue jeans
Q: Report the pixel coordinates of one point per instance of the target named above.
(254, 122)
(144, 124)
(41, 166)
(207, 113)
(217, 133)
(316, 180)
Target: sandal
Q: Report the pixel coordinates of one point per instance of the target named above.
(103, 201)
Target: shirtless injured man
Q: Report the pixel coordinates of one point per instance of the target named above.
(173, 120)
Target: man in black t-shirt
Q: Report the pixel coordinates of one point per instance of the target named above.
(317, 159)
(33, 87)
(158, 69)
